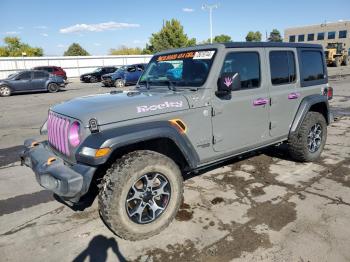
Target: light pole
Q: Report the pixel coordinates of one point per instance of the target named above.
(210, 8)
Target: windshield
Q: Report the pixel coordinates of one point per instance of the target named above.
(123, 68)
(179, 69)
(99, 69)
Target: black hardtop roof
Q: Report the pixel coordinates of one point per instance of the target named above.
(240, 45)
(270, 44)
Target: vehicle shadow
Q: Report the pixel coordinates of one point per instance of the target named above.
(280, 152)
(98, 248)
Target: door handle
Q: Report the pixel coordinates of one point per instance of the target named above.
(260, 101)
(293, 95)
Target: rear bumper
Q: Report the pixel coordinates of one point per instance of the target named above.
(68, 181)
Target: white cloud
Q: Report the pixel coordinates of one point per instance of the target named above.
(188, 10)
(20, 28)
(44, 34)
(97, 44)
(40, 27)
(61, 46)
(96, 27)
(12, 33)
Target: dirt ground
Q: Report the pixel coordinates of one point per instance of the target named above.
(261, 207)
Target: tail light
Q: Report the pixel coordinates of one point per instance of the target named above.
(328, 91)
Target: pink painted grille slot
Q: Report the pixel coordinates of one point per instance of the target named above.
(57, 132)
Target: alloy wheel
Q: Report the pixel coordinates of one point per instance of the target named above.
(148, 198)
(314, 138)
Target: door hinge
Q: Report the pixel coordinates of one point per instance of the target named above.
(212, 111)
(214, 140)
(270, 101)
(270, 125)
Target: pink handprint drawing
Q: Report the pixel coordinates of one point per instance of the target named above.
(228, 81)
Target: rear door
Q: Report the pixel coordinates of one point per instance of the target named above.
(241, 120)
(284, 88)
(39, 80)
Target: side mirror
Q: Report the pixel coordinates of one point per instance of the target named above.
(228, 82)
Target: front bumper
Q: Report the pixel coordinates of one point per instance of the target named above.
(66, 180)
(107, 81)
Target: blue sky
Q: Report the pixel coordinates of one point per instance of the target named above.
(104, 24)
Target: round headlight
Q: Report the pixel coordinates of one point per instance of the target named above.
(73, 134)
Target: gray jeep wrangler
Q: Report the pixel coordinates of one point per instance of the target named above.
(192, 108)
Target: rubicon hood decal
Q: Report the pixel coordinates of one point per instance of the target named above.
(166, 104)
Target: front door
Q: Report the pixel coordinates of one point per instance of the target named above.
(23, 82)
(241, 120)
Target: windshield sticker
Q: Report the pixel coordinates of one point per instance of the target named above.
(143, 109)
(175, 56)
(204, 55)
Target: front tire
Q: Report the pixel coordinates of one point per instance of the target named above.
(337, 61)
(93, 79)
(141, 194)
(53, 88)
(5, 91)
(307, 143)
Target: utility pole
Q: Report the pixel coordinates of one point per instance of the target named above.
(210, 8)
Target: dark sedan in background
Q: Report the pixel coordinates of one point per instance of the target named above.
(30, 81)
(95, 76)
(126, 75)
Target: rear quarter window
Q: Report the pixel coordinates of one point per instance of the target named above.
(312, 69)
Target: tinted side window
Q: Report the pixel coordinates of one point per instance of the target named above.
(49, 69)
(310, 37)
(247, 64)
(25, 76)
(140, 67)
(320, 36)
(301, 38)
(282, 67)
(312, 65)
(292, 38)
(38, 75)
(331, 35)
(343, 33)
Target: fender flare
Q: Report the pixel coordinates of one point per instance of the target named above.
(304, 108)
(116, 138)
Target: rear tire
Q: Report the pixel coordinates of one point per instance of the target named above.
(119, 83)
(307, 143)
(121, 201)
(5, 91)
(53, 88)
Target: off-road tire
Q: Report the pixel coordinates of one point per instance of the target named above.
(53, 88)
(119, 83)
(297, 143)
(117, 183)
(347, 61)
(93, 79)
(337, 61)
(5, 91)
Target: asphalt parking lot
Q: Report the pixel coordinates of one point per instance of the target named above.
(262, 207)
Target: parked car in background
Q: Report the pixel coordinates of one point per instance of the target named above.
(95, 76)
(30, 81)
(55, 70)
(126, 75)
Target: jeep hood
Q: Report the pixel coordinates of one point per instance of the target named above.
(120, 106)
